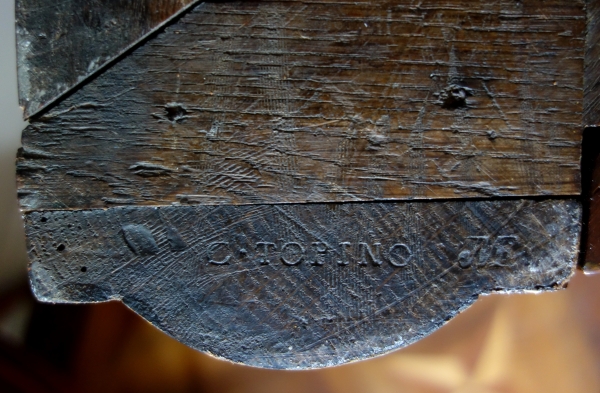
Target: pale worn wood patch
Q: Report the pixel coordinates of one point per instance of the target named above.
(61, 43)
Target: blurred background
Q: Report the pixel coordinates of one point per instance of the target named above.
(519, 343)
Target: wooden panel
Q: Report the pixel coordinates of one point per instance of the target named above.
(270, 105)
(276, 102)
(591, 148)
(302, 286)
(592, 65)
(60, 43)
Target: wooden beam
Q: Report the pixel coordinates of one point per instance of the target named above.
(296, 184)
(292, 102)
(302, 286)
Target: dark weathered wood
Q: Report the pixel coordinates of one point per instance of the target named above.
(302, 286)
(591, 156)
(592, 65)
(275, 102)
(270, 105)
(61, 43)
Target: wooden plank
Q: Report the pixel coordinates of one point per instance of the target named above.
(592, 65)
(61, 43)
(591, 147)
(178, 179)
(292, 102)
(302, 286)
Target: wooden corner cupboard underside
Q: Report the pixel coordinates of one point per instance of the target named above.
(297, 184)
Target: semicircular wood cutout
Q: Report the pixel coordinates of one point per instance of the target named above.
(302, 286)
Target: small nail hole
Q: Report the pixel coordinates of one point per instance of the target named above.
(83, 269)
(61, 247)
(44, 219)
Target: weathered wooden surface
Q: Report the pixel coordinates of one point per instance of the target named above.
(177, 180)
(61, 43)
(302, 286)
(592, 65)
(591, 149)
(276, 102)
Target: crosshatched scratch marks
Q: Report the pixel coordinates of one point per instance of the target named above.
(292, 101)
(177, 180)
(334, 282)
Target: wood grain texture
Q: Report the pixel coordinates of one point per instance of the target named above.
(61, 43)
(302, 286)
(248, 180)
(591, 156)
(591, 114)
(293, 101)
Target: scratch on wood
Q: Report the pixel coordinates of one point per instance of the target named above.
(291, 102)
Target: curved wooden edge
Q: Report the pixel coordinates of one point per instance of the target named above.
(302, 286)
